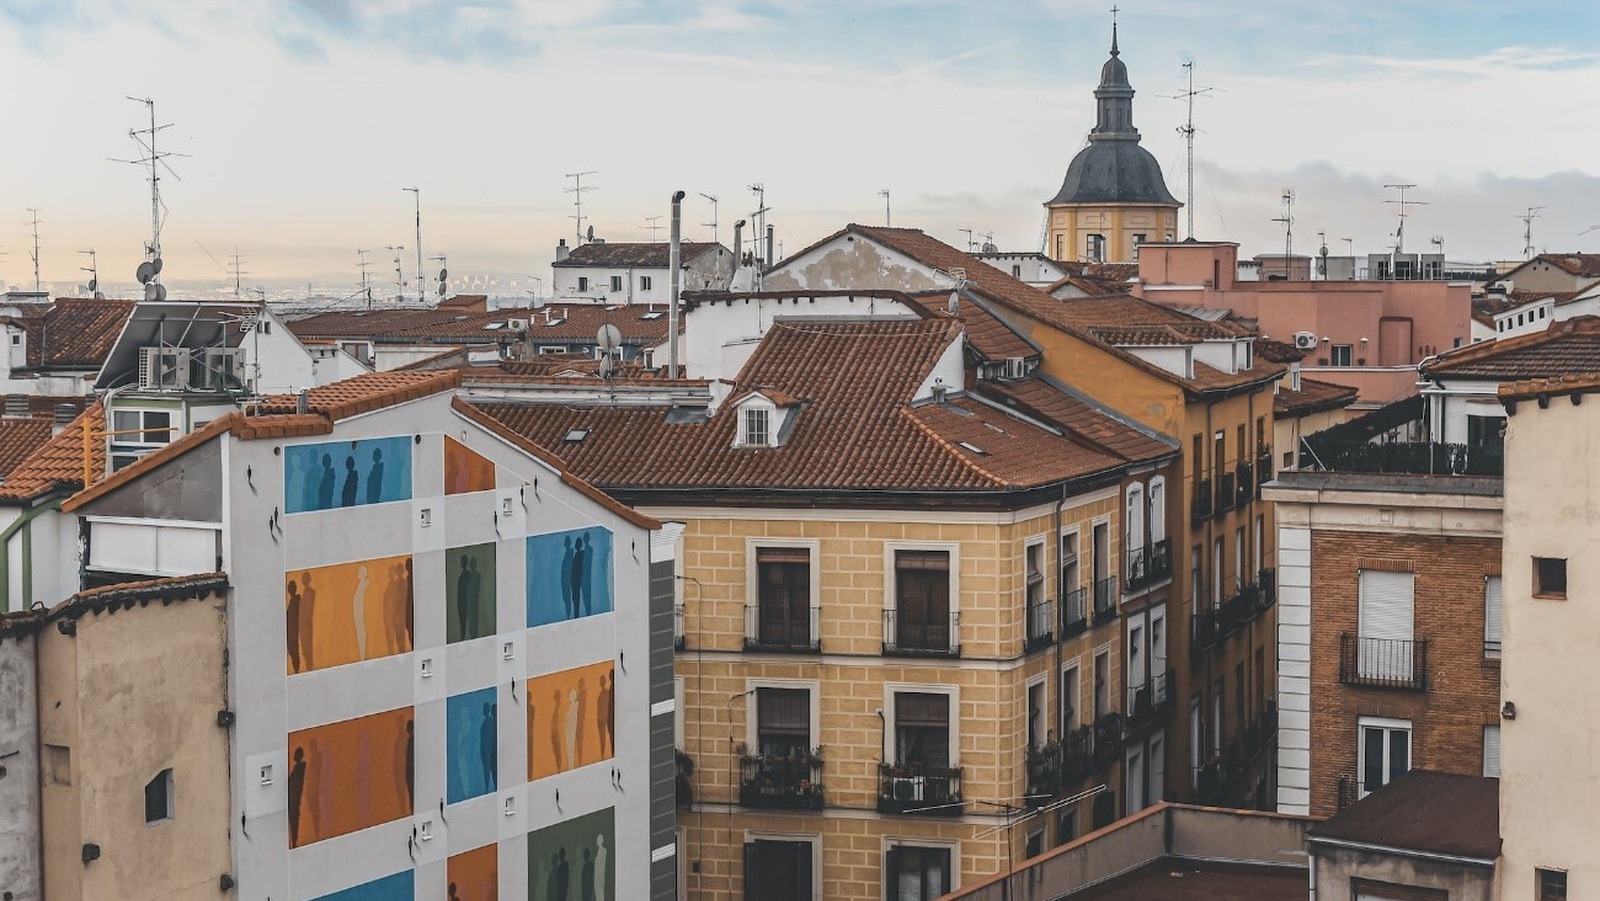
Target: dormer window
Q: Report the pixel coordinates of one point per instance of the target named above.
(758, 427)
(764, 418)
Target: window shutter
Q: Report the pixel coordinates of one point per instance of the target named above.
(891, 879)
(803, 861)
(1491, 751)
(1491, 616)
(922, 709)
(752, 873)
(1387, 599)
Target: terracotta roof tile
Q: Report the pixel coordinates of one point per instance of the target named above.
(1583, 265)
(987, 333)
(370, 391)
(1565, 347)
(58, 463)
(639, 323)
(1573, 383)
(19, 438)
(76, 333)
(1314, 396)
(1083, 421)
(640, 254)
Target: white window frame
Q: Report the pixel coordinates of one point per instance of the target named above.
(616, 283)
(1043, 679)
(752, 572)
(747, 410)
(644, 283)
(1112, 552)
(811, 838)
(890, 599)
(890, 689)
(1028, 545)
(752, 723)
(1075, 667)
(1197, 739)
(896, 841)
(1386, 723)
(1133, 515)
(583, 283)
(1075, 533)
(1493, 615)
(1133, 790)
(1156, 508)
(129, 447)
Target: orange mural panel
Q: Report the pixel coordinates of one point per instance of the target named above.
(465, 470)
(571, 719)
(348, 612)
(350, 775)
(475, 875)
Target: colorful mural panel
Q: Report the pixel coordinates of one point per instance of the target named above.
(347, 612)
(574, 860)
(350, 775)
(469, 592)
(472, 744)
(569, 575)
(346, 473)
(401, 885)
(474, 875)
(465, 470)
(571, 719)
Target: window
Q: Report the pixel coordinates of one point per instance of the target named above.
(1491, 751)
(137, 433)
(1095, 248)
(1552, 884)
(583, 283)
(758, 427)
(1101, 564)
(1216, 718)
(1550, 577)
(778, 870)
(1016, 271)
(1196, 741)
(922, 618)
(1069, 562)
(916, 874)
(922, 730)
(1217, 550)
(783, 721)
(783, 611)
(1102, 685)
(1491, 617)
(16, 340)
(1066, 826)
(1484, 431)
(644, 283)
(158, 798)
(1069, 699)
(1385, 751)
(1039, 616)
(1195, 580)
(1384, 646)
(616, 283)
(1133, 523)
(1342, 355)
(1036, 713)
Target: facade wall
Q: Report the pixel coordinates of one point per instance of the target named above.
(1119, 224)
(21, 870)
(1288, 431)
(706, 272)
(853, 682)
(1336, 867)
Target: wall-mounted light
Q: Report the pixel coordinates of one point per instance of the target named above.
(1508, 710)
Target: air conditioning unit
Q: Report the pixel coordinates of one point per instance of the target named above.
(220, 369)
(164, 367)
(1305, 340)
(517, 325)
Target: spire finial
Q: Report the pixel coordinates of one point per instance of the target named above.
(1114, 11)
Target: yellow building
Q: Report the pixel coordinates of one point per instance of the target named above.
(903, 623)
(1113, 197)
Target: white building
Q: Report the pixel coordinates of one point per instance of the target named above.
(633, 273)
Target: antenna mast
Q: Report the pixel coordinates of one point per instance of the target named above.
(1527, 230)
(422, 278)
(35, 254)
(888, 222)
(155, 161)
(759, 218)
(444, 274)
(1187, 130)
(1400, 233)
(713, 223)
(577, 190)
(362, 264)
(654, 224)
(93, 269)
(399, 276)
(1288, 228)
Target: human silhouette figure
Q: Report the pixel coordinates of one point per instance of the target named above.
(397, 610)
(601, 855)
(586, 877)
(551, 886)
(563, 876)
(358, 610)
(574, 730)
(566, 579)
(476, 598)
(292, 626)
(489, 748)
(460, 769)
(297, 791)
(410, 607)
(352, 481)
(556, 743)
(605, 714)
(580, 563)
(375, 477)
(325, 486)
(294, 487)
(405, 765)
(452, 893)
(308, 617)
(323, 776)
(466, 609)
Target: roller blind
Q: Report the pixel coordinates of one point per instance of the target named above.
(1491, 616)
(1387, 600)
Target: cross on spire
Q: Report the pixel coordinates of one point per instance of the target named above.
(1114, 11)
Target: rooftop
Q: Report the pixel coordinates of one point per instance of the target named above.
(640, 254)
(1175, 879)
(1314, 396)
(638, 323)
(20, 436)
(1566, 346)
(74, 332)
(1424, 811)
(57, 464)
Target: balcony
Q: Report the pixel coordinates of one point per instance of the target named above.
(783, 635)
(1383, 662)
(1041, 626)
(1108, 737)
(1060, 767)
(1261, 732)
(677, 627)
(1205, 631)
(1149, 704)
(1227, 493)
(1074, 614)
(1200, 508)
(1105, 600)
(1267, 580)
(685, 774)
(919, 790)
(781, 782)
(936, 636)
(1263, 468)
(1239, 608)
(1246, 491)
(1413, 457)
(1149, 565)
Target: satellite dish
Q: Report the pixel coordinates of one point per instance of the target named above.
(441, 289)
(161, 293)
(94, 285)
(607, 367)
(145, 273)
(609, 337)
(156, 263)
(99, 295)
(591, 233)
(444, 274)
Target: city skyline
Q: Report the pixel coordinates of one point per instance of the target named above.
(300, 155)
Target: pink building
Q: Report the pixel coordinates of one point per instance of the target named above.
(1367, 334)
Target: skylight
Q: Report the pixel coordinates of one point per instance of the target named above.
(653, 314)
(576, 435)
(555, 322)
(974, 448)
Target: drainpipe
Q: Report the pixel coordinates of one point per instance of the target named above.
(1061, 609)
(674, 261)
(38, 750)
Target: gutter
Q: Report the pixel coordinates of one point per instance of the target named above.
(1402, 852)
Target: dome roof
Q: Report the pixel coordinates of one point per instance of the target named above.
(1114, 73)
(1114, 172)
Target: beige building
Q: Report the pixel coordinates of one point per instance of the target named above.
(1548, 793)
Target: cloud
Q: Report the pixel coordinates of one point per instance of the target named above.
(301, 48)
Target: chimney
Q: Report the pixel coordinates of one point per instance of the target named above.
(770, 230)
(562, 250)
(17, 406)
(302, 401)
(738, 244)
(64, 414)
(675, 275)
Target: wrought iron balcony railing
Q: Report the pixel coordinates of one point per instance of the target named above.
(1383, 662)
(782, 781)
(1148, 565)
(929, 636)
(913, 789)
(1074, 612)
(1105, 600)
(1041, 625)
(766, 630)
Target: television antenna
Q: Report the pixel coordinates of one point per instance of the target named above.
(888, 222)
(34, 255)
(362, 264)
(1403, 203)
(422, 280)
(969, 233)
(759, 220)
(654, 224)
(399, 276)
(237, 272)
(577, 190)
(713, 223)
(94, 273)
(1527, 230)
(1288, 228)
(1187, 129)
(1591, 228)
(154, 160)
(444, 274)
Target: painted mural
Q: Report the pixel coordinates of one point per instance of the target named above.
(474, 875)
(472, 744)
(389, 888)
(465, 470)
(346, 473)
(347, 612)
(569, 575)
(574, 860)
(469, 592)
(350, 775)
(571, 719)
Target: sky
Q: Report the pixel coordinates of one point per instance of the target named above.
(301, 122)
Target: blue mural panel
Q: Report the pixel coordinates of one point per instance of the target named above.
(471, 744)
(569, 575)
(399, 887)
(346, 473)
